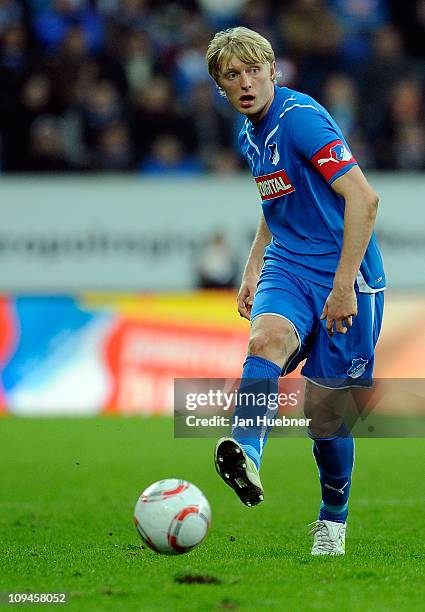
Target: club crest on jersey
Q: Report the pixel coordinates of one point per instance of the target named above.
(338, 153)
(274, 185)
(358, 366)
(274, 153)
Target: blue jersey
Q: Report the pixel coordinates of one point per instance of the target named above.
(295, 153)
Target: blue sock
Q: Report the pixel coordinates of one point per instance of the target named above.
(260, 378)
(335, 460)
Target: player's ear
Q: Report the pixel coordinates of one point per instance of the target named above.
(273, 71)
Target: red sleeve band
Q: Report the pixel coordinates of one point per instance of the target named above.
(332, 158)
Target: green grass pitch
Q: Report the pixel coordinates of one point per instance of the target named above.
(68, 489)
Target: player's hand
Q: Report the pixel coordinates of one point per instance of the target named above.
(339, 310)
(246, 296)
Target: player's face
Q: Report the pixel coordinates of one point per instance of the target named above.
(249, 87)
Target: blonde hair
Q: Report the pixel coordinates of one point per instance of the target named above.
(248, 46)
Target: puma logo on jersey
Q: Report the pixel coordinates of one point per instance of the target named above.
(338, 153)
(274, 185)
(331, 160)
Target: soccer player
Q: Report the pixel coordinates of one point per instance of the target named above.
(313, 282)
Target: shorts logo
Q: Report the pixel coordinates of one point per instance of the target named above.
(338, 153)
(274, 185)
(358, 366)
(274, 153)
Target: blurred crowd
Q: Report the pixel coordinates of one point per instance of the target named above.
(121, 85)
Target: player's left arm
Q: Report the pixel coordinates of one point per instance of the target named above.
(315, 137)
(361, 204)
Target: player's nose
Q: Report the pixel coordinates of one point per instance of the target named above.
(244, 80)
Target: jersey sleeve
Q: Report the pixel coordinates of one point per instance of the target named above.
(244, 147)
(241, 142)
(318, 140)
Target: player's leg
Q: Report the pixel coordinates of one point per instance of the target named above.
(344, 361)
(333, 450)
(272, 342)
(280, 323)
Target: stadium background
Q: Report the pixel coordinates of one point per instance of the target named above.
(127, 212)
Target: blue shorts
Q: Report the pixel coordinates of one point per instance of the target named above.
(343, 360)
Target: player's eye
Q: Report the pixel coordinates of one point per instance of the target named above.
(254, 70)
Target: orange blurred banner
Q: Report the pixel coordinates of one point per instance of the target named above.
(118, 353)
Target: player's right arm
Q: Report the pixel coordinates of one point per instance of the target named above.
(253, 268)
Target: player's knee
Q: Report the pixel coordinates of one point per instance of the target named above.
(280, 339)
(325, 410)
(258, 343)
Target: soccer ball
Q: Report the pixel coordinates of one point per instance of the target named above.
(172, 516)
